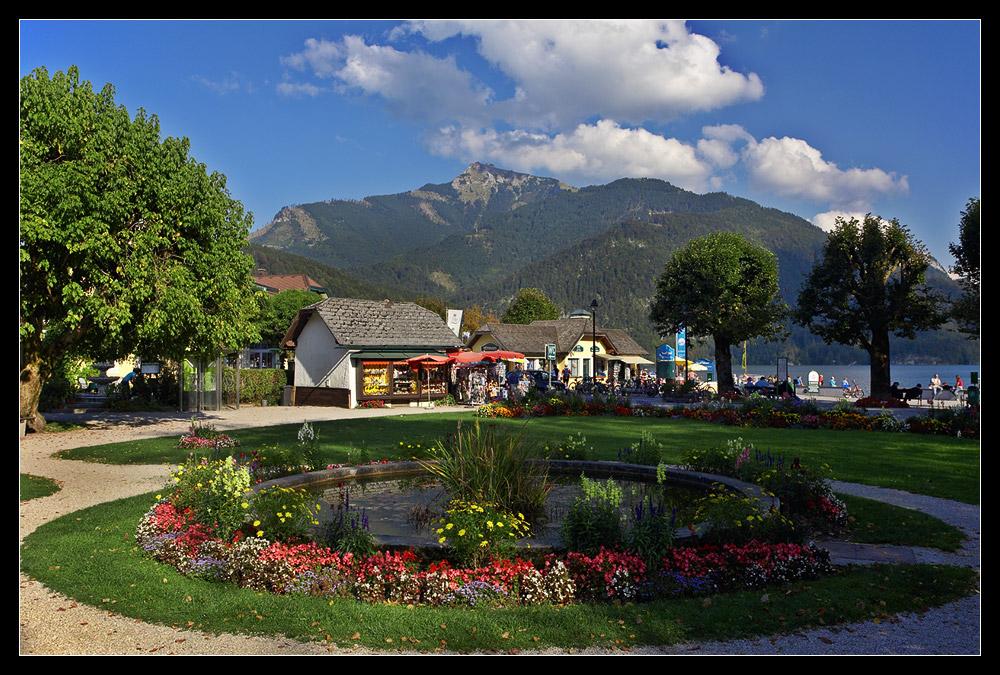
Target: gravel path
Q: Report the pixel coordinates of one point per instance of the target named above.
(49, 623)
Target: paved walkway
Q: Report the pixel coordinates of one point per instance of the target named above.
(51, 624)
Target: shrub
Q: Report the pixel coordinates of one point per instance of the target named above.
(646, 451)
(479, 532)
(593, 520)
(737, 519)
(652, 532)
(348, 530)
(256, 384)
(572, 447)
(486, 465)
(805, 494)
(284, 514)
(214, 492)
(204, 437)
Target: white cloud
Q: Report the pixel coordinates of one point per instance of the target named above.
(233, 83)
(298, 89)
(414, 85)
(718, 153)
(581, 90)
(562, 71)
(632, 71)
(792, 168)
(827, 221)
(598, 152)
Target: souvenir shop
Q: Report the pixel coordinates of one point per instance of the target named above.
(483, 377)
(402, 378)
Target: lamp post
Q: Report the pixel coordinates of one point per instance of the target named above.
(593, 337)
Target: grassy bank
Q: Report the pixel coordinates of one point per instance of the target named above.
(90, 556)
(930, 465)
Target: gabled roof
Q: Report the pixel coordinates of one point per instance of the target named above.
(376, 323)
(528, 339)
(276, 283)
(564, 333)
(622, 342)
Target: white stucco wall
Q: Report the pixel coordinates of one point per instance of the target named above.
(319, 360)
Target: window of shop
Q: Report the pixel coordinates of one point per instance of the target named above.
(404, 379)
(375, 378)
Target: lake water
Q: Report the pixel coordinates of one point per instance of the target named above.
(907, 376)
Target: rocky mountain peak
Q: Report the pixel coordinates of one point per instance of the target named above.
(480, 182)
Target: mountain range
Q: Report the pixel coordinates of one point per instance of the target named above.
(490, 232)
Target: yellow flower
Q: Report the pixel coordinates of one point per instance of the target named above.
(449, 526)
(245, 505)
(260, 533)
(256, 523)
(461, 533)
(442, 540)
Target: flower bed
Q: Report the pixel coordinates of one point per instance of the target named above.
(753, 411)
(211, 525)
(397, 577)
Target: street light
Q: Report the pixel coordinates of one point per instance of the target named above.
(593, 337)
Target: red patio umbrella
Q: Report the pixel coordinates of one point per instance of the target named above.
(433, 358)
(474, 357)
(507, 355)
(436, 358)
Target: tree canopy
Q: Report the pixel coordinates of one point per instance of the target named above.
(279, 310)
(869, 283)
(721, 286)
(475, 317)
(965, 310)
(530, 305)
(126, 243)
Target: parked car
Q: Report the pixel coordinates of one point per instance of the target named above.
(541, 381)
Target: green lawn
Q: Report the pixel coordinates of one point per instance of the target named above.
(91, 557)
(931, 465)
(33, 487)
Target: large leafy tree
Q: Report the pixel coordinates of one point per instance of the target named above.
(530, 305)
(966, 309)
(724, 287)
(279, 310)
(475, 317)
(126, 243)
(869, 283)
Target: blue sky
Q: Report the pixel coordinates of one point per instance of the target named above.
(818, 118)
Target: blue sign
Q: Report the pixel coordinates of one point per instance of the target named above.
(664, 353)
(681, 345)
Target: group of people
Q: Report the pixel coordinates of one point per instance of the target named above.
(936, 385)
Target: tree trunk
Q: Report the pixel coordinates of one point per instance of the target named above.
(878, 355)
(31, 391)
(724, 367)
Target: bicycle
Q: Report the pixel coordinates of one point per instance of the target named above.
(854, 391)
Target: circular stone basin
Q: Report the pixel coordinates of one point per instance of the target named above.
(403, 501)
